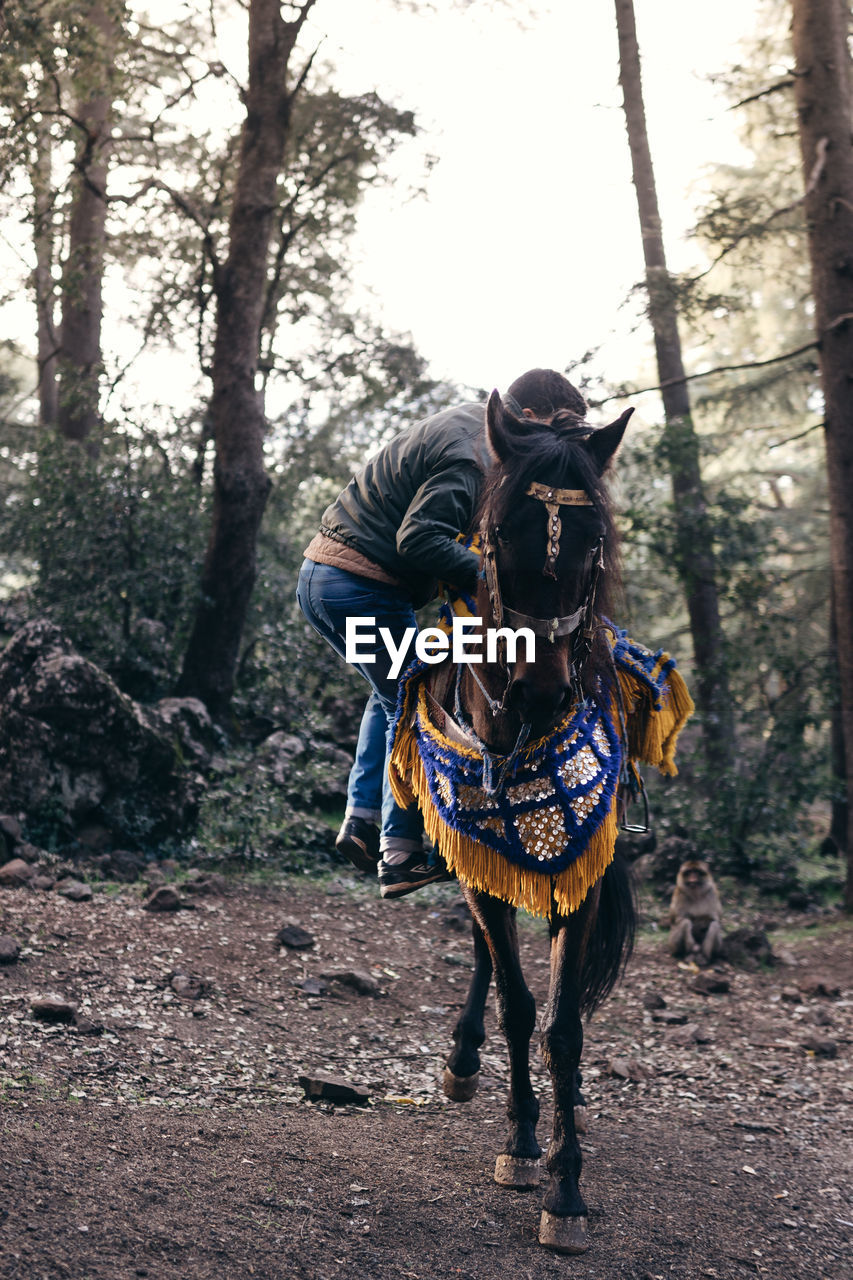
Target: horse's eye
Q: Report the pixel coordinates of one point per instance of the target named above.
(499, 536)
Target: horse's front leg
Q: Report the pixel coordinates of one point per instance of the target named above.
(518, 1165)
(564, 1216)
(462, 1073)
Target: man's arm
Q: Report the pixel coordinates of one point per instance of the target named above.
(440, 510)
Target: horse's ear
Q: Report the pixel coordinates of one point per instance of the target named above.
(500, 426)
(604, 442)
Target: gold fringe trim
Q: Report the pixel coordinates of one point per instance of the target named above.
(483, 868)
(652, 735)
(652, 738)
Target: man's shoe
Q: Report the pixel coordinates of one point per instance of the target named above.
(358, 841)
(397, 879)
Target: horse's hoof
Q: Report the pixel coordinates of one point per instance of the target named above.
(563, 1235)
(513, 1171)
(460, 1088)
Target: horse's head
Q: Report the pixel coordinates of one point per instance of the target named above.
(549, 550)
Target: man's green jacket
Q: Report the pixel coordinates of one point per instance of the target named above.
(406, 507)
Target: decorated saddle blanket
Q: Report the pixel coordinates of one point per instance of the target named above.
(549, 829)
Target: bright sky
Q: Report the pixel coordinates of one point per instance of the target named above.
(527, 242)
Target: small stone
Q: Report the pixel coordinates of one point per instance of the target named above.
(820, 986)
(791, 995)
(653, 1000)
(670, 1018)
(364, 983)
(74, 890)
(311, 986)
(89, 1026)
(708, 984)
(294, 936)
(627, 1069)
(42, 881)
(333, 1089)
(820, 1017)
(9, 949)
(209, 884)
(53, 1008)
(690, 1033)
(16, 873)
(188, 986)
(748, 948)
(164, 898)
(820, 1046)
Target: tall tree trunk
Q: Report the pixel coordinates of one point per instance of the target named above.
(241, 484)
(837, 836)
(82, 276)
(696, 564)
(822, 93)
(45, 287)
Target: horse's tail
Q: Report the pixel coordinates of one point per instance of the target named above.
(612, 936)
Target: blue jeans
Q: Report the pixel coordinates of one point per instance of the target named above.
(328, 596)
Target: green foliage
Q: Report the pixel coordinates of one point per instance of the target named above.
(249, 819)
(773, 586)
(113, 541)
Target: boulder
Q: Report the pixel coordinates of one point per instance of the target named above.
(163, 899)
(16, 873)
(334, 1089)
(748, 948)
(294, 936)
(9, 949)
(73, 746)
(185, 721)
(122, 865)
(74, 890)
(356, 979)
(53, 1008)
(315, 774)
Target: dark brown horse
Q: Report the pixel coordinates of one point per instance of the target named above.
(554, 576)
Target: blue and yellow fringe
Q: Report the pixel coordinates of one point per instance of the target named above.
(656, 706)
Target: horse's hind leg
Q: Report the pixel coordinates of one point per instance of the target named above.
(462, 1073)
(518, 1164)
(564, 1217)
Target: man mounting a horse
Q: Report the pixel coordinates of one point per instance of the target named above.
(383, 547)
(517, 767)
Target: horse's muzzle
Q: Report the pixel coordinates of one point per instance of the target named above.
(539, 705)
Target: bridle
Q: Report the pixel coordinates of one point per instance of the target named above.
(580, 624)
(548, 628)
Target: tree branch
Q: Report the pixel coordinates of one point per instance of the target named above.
(720, 368)
(764, 93)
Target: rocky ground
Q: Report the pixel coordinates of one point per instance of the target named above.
(154, 1123)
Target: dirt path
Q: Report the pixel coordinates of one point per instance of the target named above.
(178, 1143)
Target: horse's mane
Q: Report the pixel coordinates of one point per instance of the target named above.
(553, 454)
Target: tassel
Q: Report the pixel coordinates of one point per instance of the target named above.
(653, 731)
